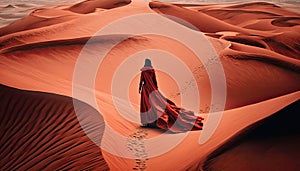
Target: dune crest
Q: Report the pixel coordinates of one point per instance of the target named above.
(90, 6)
(259, 145)
(257, 44)
(40, 131)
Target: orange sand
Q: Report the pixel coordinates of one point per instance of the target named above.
(257, 43)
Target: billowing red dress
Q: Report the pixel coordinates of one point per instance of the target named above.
(158, 111)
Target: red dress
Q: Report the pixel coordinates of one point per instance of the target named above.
(158, 111)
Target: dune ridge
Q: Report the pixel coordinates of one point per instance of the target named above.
(257, 43)
(74, 41)
(271, 135)
(86, 7)
(41, 131)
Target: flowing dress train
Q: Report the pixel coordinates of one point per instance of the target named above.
(158, 111)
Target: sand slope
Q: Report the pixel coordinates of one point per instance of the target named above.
(257, 43)
(40, 131)
(268, 141)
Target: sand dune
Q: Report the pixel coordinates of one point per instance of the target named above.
(41, 131)
(39, 18)
(257, 44)
(90, 6)
(15, 10)
(259, 146)
(199, 20)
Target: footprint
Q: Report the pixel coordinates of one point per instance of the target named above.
(136, 144)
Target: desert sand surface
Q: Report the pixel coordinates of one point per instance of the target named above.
(69, 86)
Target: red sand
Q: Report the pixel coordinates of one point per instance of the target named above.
(258, 45)
(40, 131)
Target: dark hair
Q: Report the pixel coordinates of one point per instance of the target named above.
(148, 62)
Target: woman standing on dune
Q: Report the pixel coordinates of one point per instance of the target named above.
(158, 111)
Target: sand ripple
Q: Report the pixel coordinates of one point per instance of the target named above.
(40, 131)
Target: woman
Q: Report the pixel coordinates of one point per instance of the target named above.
(158, 111)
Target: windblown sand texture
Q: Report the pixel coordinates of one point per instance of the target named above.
(258, 45)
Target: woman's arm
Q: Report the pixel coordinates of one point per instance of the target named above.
(141, 82)
(154, 79)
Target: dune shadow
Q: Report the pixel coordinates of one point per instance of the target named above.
(270, 144)
(40, 131)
